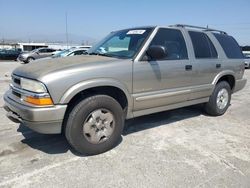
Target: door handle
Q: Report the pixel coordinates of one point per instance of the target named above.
(188, 67)
(218, 66)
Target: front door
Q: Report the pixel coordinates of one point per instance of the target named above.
(166, 81)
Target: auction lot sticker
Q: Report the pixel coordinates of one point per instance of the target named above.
(135, 32)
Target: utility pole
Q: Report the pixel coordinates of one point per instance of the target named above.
(66, 21)
(3, 42)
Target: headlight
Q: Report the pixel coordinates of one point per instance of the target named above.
(32, 85)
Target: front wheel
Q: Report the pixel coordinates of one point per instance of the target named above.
(220, 99)
(30, 59)
(95, 125)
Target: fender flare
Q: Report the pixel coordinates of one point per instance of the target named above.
(88, 84)
(221, 74)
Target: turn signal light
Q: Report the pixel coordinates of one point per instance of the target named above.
(39, 101)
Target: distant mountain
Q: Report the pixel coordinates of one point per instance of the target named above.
(55, 38)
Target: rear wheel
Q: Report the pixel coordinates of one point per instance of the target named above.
(95, 125)
(220, 99)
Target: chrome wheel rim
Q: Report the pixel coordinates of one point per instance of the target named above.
(30, 59)
(98, 126)
(222, 98)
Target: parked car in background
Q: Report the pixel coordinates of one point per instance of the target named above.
(132, 72)
(57, 51)
(70, 52)
(86, 47)
(9, 54)
(247, 62)
(36, 54)
(247, 59)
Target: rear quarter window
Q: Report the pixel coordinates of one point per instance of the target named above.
(203, 47)
(229, 45)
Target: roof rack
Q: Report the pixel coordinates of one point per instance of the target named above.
(197, 27)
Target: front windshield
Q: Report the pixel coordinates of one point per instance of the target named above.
(121, 44)
(35, 50)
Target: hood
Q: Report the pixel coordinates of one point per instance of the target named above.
(43, 67)
(25, 53)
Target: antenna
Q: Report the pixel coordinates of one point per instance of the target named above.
(66, 24)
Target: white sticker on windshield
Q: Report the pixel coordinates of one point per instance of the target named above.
(135, 32)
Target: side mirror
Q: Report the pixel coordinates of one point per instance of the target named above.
(156, 52)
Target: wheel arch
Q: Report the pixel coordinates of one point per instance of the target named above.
(31, 57)
(109, 87)
(228, 76)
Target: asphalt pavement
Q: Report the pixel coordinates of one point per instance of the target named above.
(177, 148)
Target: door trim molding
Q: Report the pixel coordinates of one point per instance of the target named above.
(169, 107)
(171, 92)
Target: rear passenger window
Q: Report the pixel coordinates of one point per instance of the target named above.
(203, 47)
(43, 51)
(80, 52)
(173, 41)
(50, 50)
(229, 45)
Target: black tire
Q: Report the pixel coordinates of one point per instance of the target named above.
(78, 115)
(29, 59)
(211, 106)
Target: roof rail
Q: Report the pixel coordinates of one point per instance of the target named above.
(197, 27)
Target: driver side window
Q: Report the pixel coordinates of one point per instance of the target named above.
(172, 40)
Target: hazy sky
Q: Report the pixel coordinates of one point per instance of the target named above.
(96, 18)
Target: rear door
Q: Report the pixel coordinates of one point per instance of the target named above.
(45, 52)
(206, 64)
(42, 53)
(163, 82)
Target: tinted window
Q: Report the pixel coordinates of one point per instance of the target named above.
(203, 47)
(50, 50)
(43, 51)
(229, 45)
(173, 41)
(46, 50)
(80, 52)
(245, 48)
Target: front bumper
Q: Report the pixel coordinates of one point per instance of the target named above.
(47, 120)
(21, 58)
(239, 84)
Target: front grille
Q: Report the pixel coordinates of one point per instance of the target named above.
(16, 83)
(17, 80)
(16, 94)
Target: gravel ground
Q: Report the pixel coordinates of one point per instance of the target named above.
(178, 148)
